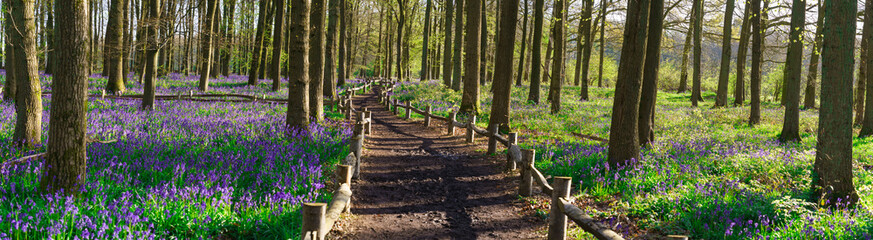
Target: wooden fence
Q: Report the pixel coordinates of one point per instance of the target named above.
(559, 189)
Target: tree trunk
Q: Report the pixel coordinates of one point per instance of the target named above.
(812, 77)
(298, 62)
(745, 32)
(586, 49)
(341, 67)
(698, 51)
(425, 42)
(524, 37)
(550, 48)
(624, 144)
(503, 66)
(832, 171)
(603, 5)
(112, 48)
(151, 54)
(230, 42)
(866, 36)
(483, 43)
(206, 48)
(128, 38)
(683, 79)
(557, 76)
(867, 123)
(725, 68)
(447, 45)
(459, 36)
(536, 47)
(50, 36)
(330, 50)
(28, 98)
(470, 97)
(649, 93)
(65, 164)
(11, 82)
(757, 58)
(254, 66)
(316, 61)
(268, 31)
(278, 33)
(793, 68)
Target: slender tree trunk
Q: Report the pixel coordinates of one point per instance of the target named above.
(316, 61)
(603, 5)
(425, 42)
(330, 50)
(550, 48)
(832, 171)
(267, 41)
(10, 89)
(128, 38)
(151, 54)
(503, 72)
(278, 33)
(586, 49)
(459, 36)
(793, 68)
(812, 77)
(757, 58)
(649, 93)
(557, 77)
(206, 48)
(725, 68)
(447, 45)
(624, 144)
(112, 48)
(745, 34)
(686, 49)
(536, 47)
(483, 44)
(470, 97)
(343, 44)
(867, 123)
(524, 37)
(698, 51)
(867, 35)
(298, 61)
(230, 41)
(65, 164)
(50, 36)
(28, 98)
(254, 68)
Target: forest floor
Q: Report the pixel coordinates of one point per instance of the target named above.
(418, 183)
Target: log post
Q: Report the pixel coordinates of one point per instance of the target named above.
(102, 94)
(369, 123)
(451, 123)
(191, 93)
(313, 219)
(395, 106)
(527, 159)
(408, 110)
(348, 109)
(427, 111)
(344, 174)
(557, 219)
(356, 146)
(492, 139)
(513, 140)
(471, 135)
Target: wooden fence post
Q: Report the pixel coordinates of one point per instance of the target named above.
(471, 135)
(348, 109)
(408, 110)
(102, 94)
(395, 106)
(313, 219)
(344, 174)
(557, 218)
(513, 140)
(427, 111)
(369, 117)
(191, 93)
(492, 138)
(356, 146)
(525, 189)
(677, 237)
(451, 123)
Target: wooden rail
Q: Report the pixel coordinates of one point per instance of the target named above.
(530, 175)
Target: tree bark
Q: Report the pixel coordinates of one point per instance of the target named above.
(254, 66)
(698, 51)
(683, 79)
(112, 48)
(447, 45)
(832, 171)
(757, 45)
(649, 93)
(343, 44)
(483, 43)
(10, 85)
(586, 49)
(316, 61)
(65, 164)
(536, 47)
(812, 77)
(793, 68)
(298, 62)
(459, 41)
(206, 48)
(50, 42)
(867, 123)
(557, 75)
(503, 73)
(127, 45)
(330, 50)
(230, 7)
(725, 68)
(521, 66)
(624, 144)
(28, 98)
(470, 96)
(151, 53)
(278, 33)
(866, 36)
(425, 42)
(603, 5)
(745, 34)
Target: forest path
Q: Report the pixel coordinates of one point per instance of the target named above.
(418, 183)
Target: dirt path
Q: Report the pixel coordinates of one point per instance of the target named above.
(418, 183)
